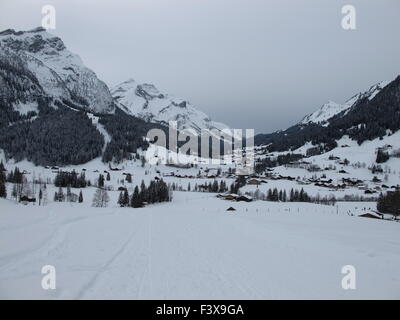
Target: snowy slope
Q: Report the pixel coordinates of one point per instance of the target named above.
(194, 249)
(60, 73)
(331, 108)
(147, 102)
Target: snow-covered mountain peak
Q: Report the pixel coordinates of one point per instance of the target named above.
(325, 112)
(146, 101)
(331, 108)
(51, 62)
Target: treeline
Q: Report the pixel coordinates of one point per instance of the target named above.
(15, 176)
(367, 120)
(57, 137)
(127, 135)
(71, 179)
(280, 160)
(157, 191)
(389, 202)
(69, 196)
(281, 195)
(214, 186)
(294, 195)
(17, 85)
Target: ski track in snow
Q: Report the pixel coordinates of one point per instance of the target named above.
(194, 249)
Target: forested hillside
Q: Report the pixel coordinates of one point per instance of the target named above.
(367, 119)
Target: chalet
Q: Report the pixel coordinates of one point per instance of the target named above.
(122, 189)
(353, 182)
(244, 198)
(230, 196)
(181, 165)
(280, 177)
(171, 174)
(325, 181)
(235, 197)
(373, 215)
(231, 209)
(254, 181)
(27, 199)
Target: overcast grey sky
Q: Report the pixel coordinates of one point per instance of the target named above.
(249, 63)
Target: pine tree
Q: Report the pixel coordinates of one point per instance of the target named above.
(100, 181)
(108, 176)
(275, 195)
(69, 194)
(80, 199)
(284, 198)
(3, 188)
(382, 156)
(135, 201)
(121, 199)
(269, 195)
(40, 196)
(126, 198)
(128, 178)
(143, 192)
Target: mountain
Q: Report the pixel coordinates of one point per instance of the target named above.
(59, 73)
(145, 101)
(54, 110)
(331, 108)
(372, 114)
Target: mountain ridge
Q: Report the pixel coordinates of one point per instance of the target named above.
(147, 102)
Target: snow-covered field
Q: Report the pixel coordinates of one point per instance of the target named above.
(193, 248)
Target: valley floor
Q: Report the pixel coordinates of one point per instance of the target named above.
(193, 248)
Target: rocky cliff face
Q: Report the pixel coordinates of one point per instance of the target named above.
(59, 73)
